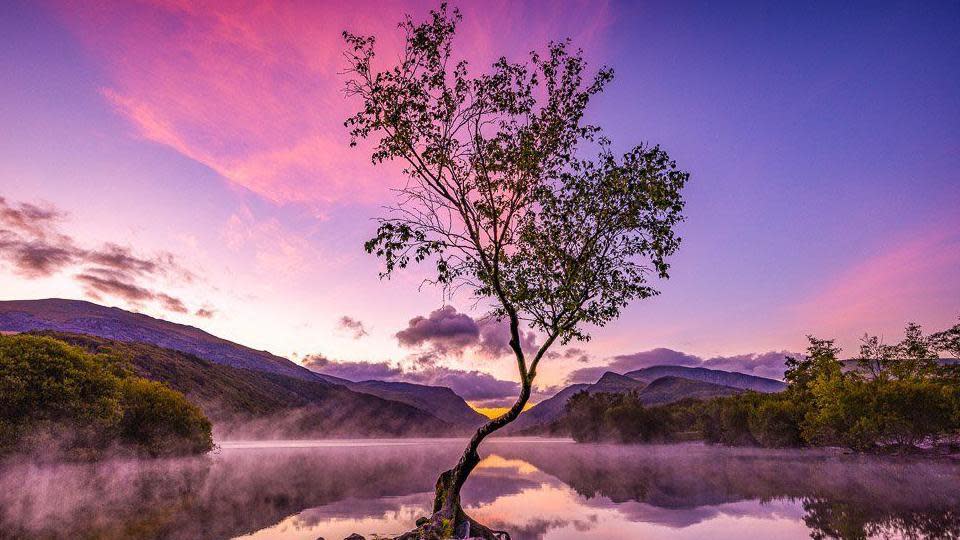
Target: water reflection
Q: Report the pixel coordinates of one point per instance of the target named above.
(534, 489)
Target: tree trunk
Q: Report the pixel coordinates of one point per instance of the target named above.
(448, 519)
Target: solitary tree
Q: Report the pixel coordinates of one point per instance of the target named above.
(510, 194)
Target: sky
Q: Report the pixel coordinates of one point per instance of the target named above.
(189, 160)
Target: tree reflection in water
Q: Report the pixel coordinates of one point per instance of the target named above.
(574, 491)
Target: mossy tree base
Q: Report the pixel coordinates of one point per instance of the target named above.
(448, 519)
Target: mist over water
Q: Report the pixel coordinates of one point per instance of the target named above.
(535, 489)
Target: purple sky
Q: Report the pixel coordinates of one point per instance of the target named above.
(823, 143)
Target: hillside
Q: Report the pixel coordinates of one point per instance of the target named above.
(660, 390)
(546, 411)
(553, 408)
(80, 317)
(245, 403)
(441, 401)
(616, 384)
(714, 376)
(671, 389)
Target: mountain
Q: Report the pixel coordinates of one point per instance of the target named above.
(245, 403)
(553, 408)
(670, 389)
(441, 401)
(657, 385)
(715, 376)
(546, 411)
(615, 383)
(80, 317)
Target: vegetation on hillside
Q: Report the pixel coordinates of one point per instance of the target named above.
(244, 403)
(892, 397)
(63, 401)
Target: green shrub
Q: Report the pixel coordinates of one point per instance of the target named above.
(775, 423)
(616, 417)
(161, 421)
(48, 387)
(57, 398)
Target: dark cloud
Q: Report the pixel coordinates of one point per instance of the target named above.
(571, 353)
(28, 218)
(769, 364)
(171, 303)
(352, 326)
(495, 338)
(34, 259)
(352, 371)
(205, 312)
(100, 282)
(121, 258)
(32, 245)
(104, 281)
(447, 331)
(471, 385)
(444, 329)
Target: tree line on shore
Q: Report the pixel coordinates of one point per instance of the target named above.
(890, 398)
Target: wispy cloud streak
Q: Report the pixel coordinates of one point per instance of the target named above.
(33, 246)
(254, 92)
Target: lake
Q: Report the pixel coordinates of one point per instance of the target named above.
(534, 488)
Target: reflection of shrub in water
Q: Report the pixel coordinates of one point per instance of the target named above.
(843, 497)
(220, 496)
(828, 518)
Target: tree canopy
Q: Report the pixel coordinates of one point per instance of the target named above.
(509, 191)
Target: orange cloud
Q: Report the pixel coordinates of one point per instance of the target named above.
(251, 89)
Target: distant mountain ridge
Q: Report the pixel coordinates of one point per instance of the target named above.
(553, 408)
(655, 385)
(81, 317)
(546, 411)
(440, 401)
(715, 376)
(668, 389)
(616, 384)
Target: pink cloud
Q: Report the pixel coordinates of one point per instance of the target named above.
(917, 274)
(275, 248)
(252, 90)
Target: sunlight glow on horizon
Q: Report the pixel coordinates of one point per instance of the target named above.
(493, 412)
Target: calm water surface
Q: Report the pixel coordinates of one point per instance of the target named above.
(535, 489)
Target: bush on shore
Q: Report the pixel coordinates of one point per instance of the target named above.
(57, 400)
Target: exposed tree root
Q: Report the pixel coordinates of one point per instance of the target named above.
(449, 520)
